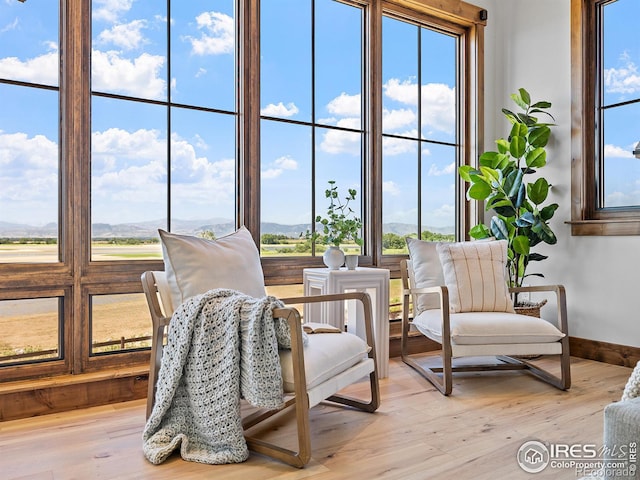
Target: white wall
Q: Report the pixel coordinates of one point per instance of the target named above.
(528, 45)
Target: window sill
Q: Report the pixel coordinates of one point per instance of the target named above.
(609, 227)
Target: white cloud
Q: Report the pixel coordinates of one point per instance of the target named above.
(41, 69)
(279, 110)
(28, 178)
(279, 166)
(110, 10)
(127, 36)
(623, 199)
(624, 80)
(397, 146)
(201, 71)
(399, 118)
(339, 141)
(438, 102)
(443, 216)
(10, 26)
(137, 77)
(434, 171)
(129, 174)
(390, 188)
(345, 105)
(613, 151)
(218, 36)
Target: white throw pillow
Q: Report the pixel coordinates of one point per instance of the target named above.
(475, 274)
(194, 265)
(427, 272)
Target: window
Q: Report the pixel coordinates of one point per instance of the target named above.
(29, 160)
(304, 43)
(119, 118)
(420, 125)
(606, 172)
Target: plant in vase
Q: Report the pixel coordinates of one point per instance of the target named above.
(520, 217)
(339, 226)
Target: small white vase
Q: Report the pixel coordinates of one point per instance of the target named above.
(333, 257)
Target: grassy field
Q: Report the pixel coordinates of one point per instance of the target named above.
(31, 326)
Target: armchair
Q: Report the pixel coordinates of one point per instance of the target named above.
(311, 373)
(466, 308)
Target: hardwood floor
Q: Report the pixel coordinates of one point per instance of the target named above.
(416, 434)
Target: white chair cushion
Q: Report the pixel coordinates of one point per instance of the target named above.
(196, 265)
(482, 328)
(425, 271)
(475, 274)
(325, 355)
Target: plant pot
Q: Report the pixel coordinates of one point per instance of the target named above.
(529, 308)
(333, 257)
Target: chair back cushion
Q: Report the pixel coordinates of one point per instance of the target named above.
(475, 275)
(424, 271)
(195, 265)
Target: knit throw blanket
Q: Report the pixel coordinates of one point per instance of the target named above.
(221, 346)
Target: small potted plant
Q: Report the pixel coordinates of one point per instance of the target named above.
(339, 226)
(521, 216)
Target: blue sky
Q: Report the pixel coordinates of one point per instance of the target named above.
(129, 140)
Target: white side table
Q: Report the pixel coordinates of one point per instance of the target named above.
(374, 281)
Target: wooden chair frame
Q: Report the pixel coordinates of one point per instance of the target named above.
(442, 376)
(300, 398)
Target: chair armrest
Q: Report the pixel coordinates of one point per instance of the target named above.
(292, 316)
(561, 296)
(362, 297)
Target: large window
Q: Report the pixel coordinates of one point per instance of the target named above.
(120, 118)
(606, 173)
(420, 126)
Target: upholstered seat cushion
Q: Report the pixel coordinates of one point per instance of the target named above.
(482, 328)
(325, 356)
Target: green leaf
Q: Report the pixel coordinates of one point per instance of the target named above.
(526, 220)
(488, 159)
(506, 212)
(480, 231)
(499, 228)
(541, 105)
(528, 120)
(520, 244)
(536, 158)
(521, 100)
(503, 145)
(479, 190)
(538, 190)
(521, 197)
(547, 212)
(513, 182)
(539, 136)
(512, 117)
(490, 174)
(464, 172)
(536, 257)
(517, 147)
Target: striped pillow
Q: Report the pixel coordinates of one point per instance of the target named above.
(475, 274)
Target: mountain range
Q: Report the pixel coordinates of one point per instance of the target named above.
(219, 226)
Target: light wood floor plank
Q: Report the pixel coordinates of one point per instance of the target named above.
(417, 434)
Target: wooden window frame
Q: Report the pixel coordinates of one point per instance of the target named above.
(76, 277)
(586, 218)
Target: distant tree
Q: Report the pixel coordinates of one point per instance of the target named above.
(273, 239)
(207, 234)
(437, 237)
(393, 241)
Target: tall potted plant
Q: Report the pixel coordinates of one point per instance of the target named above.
(520, 214)
(340, 225)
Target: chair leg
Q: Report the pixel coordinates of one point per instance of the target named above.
(370, 406)
(297, 458)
